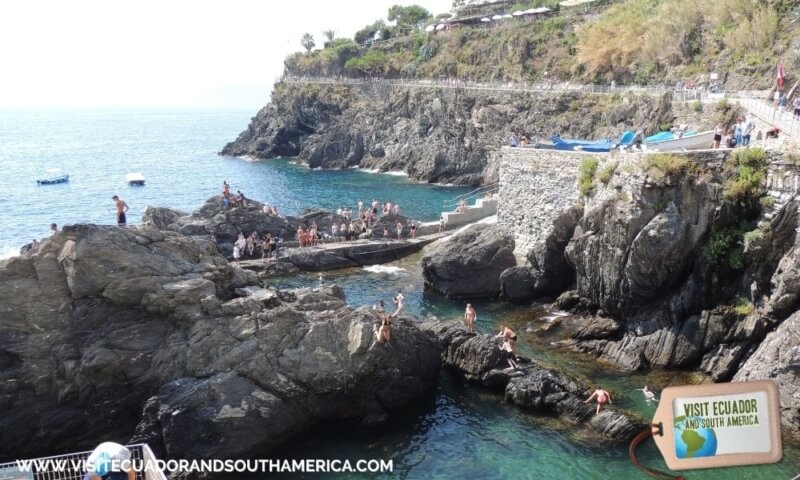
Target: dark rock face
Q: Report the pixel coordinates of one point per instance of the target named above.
(436, 135)
(517, 284)
(778, 359)
(533, 387)
(101, 323)
(551, 272)
(469, 264)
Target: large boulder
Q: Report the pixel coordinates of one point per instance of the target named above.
(778, 359)
(533, 387)
(469, 263)
(101, 324)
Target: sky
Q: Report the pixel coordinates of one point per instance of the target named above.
(164, 53)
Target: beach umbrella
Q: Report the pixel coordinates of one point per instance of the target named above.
(429, 28)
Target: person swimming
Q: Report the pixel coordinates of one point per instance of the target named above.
(602, 396)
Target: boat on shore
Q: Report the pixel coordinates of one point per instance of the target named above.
(55, 176)
(691, 141)
(559, 143)
(135, 179)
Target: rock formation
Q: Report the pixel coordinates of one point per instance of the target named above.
(532, 387)
(469, 263)
(435, 135)
(778, 359)
(101, 324)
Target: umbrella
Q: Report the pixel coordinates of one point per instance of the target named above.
(429, 28)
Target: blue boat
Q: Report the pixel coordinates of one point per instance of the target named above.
(582, 145)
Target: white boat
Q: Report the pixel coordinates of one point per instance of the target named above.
(697, 141)
(54, 176)
(135, 179)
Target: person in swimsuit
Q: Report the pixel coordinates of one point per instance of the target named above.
(413, 230)
(122, 207)
(470, 316)
(602, 396)
(399, 231)
(506, 332)
(398, 301)
(441, 224)
(508, 350)
(272, 247)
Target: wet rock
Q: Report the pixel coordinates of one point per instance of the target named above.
(469, 263)
(517, 284)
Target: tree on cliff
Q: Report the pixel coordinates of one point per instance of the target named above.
(409, 16)
(307, 42)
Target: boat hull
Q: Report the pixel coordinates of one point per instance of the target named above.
(54, 180)
(700, 141)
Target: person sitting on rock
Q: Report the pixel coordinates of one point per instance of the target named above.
(508, 350)
(602, 396)
(382, 334)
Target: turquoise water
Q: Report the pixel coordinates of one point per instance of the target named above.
(462, 431)
(458, 431)
(176, 152)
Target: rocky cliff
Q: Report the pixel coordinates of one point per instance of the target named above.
(108, 331)
(433, 134)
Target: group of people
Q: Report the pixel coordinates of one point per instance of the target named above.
(230, 200)
(518, 140)
(267, 245)
(738, 135)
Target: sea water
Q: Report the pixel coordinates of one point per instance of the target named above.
(458, 430)
(176, 151)
(464, 431)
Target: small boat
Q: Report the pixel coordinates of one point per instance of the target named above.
(55, 176)
(136, 179)
(689, 141)
(582, 145)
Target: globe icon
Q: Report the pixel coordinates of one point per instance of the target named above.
(693, 442)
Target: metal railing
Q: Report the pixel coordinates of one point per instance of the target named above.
(69, 466)
(783, 118)
(479, 192)
(559, 87)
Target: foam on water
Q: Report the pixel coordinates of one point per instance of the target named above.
(387, 269)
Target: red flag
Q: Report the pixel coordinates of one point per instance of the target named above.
(781, 75)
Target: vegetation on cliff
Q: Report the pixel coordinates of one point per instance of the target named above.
(641, 41)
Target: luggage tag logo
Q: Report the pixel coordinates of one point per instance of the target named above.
(716, 425)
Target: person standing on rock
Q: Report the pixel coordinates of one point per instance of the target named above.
(398, 302)
(508, 349)
(399, 231)
(122, 208)
(413, 231)
(602, 396)
(441, 224)
(469, 317)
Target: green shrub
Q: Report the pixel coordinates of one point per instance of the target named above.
(722, 105)
(747, 170)
(697, 106)
(767, 201)
(606, 173)
(669, 165)
(751, 237)
(743, 307)
(623, 196)
(586, 173)
(726, 247)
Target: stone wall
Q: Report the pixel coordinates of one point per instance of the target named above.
(539, 186)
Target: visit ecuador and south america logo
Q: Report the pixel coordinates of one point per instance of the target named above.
(696, 431)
